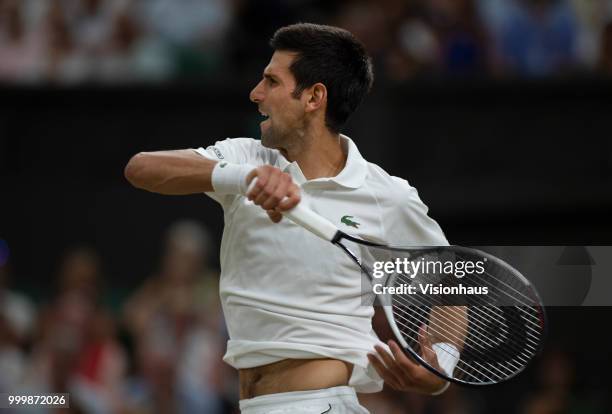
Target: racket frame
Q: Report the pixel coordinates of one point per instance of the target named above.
(337, 240)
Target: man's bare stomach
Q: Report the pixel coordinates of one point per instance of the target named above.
(293, 375)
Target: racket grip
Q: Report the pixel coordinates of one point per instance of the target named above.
(308, 219)
(311, 221)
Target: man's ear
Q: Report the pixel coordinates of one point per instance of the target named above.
(317, 97)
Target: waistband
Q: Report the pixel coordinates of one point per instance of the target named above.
(334, 394)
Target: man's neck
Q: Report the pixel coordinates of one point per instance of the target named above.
(321, 156)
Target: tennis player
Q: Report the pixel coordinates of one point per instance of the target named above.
(300, 335)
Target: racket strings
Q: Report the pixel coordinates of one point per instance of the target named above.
(439, 302)
(454, 327)
(449, 355)
(504, 328)
(494, 290)
(479, 325)
(484, 346)
(467, 350)
(485, 320)
(501, 374)
(535, 321)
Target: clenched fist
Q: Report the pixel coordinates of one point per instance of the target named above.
(274, 191)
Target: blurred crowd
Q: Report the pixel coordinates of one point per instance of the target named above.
(160, 348)
(159, 351)
(114, 41)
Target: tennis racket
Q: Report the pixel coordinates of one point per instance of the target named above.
(484, 321)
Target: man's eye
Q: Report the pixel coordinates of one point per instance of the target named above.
(272, 81)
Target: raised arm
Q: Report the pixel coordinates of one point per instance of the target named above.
(183, 172)
(171, 172)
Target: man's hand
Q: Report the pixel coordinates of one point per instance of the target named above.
(403, 374)
(274, 191)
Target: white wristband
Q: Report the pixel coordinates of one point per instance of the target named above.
(228, 178)
(448, 357)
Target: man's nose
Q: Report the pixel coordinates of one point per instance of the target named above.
(257, 93)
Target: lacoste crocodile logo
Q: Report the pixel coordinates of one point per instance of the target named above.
(347, 220)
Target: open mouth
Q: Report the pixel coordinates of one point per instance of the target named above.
(264, 114)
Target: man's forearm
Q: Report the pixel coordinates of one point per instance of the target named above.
(170, 172)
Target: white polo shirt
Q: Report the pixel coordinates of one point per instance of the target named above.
(287, 293)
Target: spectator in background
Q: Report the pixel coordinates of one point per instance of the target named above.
(176, 324)
(463, 44)
(65, 62)
(90, 23)
(555, 390)
(370, 22)
(17, 316)
(532, 37)
(118, 41)
(76, 41)
(605, 56)
(552, 393)
(417, 37)
(194, 30)
(396, 35)
(131, 52)
(415, 50)
(21, 49)
(254, 23)
(76, 350)
(592, 17)
(93, 40)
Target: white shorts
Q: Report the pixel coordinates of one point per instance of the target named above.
(336, 400)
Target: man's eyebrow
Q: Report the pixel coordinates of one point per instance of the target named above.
(270, 76)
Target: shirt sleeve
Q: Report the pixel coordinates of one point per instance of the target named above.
(237, 151)
(409, 222)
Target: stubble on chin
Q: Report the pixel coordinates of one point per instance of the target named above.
(275, 140)
(289, 141)
(270, 140)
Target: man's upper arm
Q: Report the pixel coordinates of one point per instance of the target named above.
(233, 150)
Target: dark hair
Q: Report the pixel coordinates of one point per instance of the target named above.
(333, 57)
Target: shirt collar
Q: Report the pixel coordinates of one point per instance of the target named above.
(352, 175)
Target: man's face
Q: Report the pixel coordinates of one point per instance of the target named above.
(285, 116)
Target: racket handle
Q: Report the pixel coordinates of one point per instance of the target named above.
(311, 221)
(305, 217)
